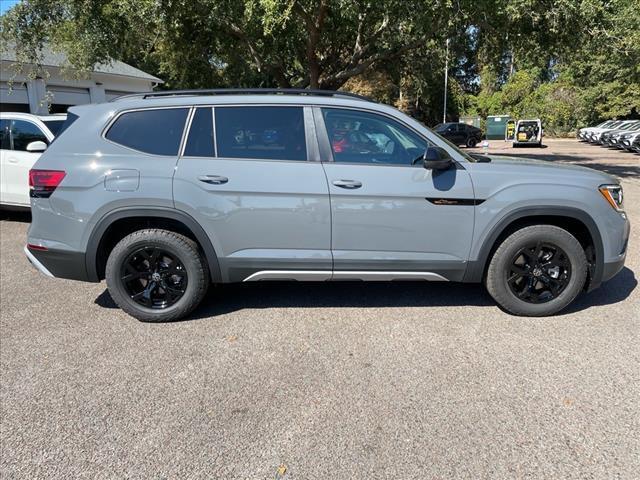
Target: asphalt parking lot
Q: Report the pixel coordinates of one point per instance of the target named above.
(306, 381)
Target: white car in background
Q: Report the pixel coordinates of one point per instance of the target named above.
(627, 139)
(596, 134)
(588, 133)
(23, 137)
(584, 133)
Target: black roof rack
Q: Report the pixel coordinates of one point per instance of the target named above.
(243, 91)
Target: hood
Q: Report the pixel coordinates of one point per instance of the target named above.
(533, 167)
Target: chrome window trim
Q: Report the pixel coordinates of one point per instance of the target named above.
(185, 133)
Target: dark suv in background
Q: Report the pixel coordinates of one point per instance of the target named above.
(459, 133)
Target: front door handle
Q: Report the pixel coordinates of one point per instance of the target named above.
(348, 184)
(213, 179)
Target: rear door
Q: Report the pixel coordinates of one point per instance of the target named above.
(247, 175)
(391, 218)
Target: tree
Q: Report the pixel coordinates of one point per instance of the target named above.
(289, 43)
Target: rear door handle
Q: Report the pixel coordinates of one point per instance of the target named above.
(213, 179)
(348, 184)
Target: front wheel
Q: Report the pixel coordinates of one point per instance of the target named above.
(157, 275)
(537, 271)
(471, 142)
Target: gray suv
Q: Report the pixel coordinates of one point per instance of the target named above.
(163, 193)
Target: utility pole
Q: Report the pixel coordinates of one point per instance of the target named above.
(446, 80)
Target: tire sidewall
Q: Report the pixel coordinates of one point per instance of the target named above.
(553, 235)
(114, 271)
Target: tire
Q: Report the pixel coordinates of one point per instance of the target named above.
(510, 287)
(471, 142)
(177, 265)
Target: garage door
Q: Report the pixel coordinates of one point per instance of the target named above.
(17, 94)
(69, 95)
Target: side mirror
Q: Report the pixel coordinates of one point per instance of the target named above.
(436, 158)
(36, 147)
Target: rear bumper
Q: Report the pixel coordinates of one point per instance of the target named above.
(59, 263)
(36, 263)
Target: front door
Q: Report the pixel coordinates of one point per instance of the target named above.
(391, 218)
(247, 178)
(17, 161)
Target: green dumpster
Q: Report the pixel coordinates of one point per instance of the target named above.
(497, 126)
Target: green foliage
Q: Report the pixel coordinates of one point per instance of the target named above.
(569, 62)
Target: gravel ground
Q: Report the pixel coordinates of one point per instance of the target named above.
(306, 381)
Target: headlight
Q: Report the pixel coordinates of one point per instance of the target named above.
(613, 195)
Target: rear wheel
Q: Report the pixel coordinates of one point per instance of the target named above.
(157, 275)
(537, 271)
(471, 142)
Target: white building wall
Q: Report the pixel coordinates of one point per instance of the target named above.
(56, 89)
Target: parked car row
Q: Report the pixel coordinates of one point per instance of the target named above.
(526, 132)
(623, 134)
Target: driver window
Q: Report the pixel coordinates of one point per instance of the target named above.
(362, 137)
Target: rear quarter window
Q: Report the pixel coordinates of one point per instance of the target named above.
(153, 131)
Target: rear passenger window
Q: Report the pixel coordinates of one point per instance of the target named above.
(272, 133)
(200, 140)
(157, 131)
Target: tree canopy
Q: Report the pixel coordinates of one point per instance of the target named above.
(567, 61)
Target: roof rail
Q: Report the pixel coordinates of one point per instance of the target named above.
(243, 91)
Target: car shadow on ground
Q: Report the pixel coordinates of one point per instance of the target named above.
(22, 216)
(223, 299)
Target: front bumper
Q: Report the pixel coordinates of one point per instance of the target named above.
(611, 269)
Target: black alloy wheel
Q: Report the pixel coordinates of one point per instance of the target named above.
(153, 277)
(538, 272)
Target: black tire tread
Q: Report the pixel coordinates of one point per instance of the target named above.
(496, 285)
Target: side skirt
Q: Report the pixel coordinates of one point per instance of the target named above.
(324, 275)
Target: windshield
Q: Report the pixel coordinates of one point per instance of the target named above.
(443, 126)
(54, 125)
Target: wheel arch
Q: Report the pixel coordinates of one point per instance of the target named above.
(576, 221)
(115, 225)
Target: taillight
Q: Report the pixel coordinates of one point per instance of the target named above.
(42, 183)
